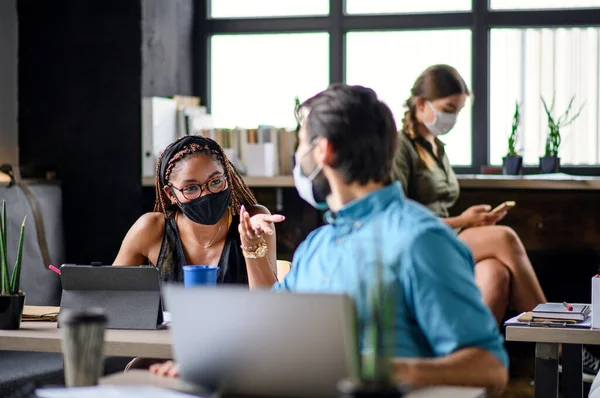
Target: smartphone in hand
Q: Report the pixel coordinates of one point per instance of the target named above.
(504, 207)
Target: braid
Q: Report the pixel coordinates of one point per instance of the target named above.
(160, 204)
(409, 125)
(240, 193)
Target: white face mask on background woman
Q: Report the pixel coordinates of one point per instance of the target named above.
(442, 122)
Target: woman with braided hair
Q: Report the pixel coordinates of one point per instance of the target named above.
(503, 272)
(204, 214)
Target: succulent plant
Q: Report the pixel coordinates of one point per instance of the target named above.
(10, 284)
(513, 137)
(554, 139)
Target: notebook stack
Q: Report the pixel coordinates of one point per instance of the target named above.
(561, 312)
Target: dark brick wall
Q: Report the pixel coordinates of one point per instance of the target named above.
(167, 47)
(81, 78)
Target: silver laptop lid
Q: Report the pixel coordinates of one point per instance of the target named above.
(261, 342)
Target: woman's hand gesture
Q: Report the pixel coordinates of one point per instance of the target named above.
(252, 228)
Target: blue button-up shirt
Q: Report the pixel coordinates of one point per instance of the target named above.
(437, 310)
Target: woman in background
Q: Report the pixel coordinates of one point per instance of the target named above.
(503, 271)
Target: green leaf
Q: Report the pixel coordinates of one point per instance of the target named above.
(4, 275)
(16, 275)
(512, 139)
(4, 223)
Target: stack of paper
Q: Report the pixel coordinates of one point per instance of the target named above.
(38, 313)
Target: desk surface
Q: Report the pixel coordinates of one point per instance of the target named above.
(144, 378)
(553, 335)
(46, 337)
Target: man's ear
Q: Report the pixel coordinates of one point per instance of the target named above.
(323, 151)
(167, 190)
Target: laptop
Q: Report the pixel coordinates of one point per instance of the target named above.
(129, 295)
(234, 341)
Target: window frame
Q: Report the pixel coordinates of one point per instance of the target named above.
(481, 19)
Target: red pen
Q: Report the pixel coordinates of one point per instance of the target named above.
(568, 306)
(53, 268)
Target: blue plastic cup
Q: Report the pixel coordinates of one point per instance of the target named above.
(194, 275)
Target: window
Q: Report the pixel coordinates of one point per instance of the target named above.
(266, 8)
(529, 63)
(254, 78)
(390, 62)
(541, 4)
(404, 6)
(274, 50)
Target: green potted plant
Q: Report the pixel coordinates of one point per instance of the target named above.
(12, 298)
(512, 163)
(375, 378)
(550, 162)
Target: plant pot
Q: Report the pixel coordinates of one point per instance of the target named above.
(512, 165)
(549, 164)
(348, 388)
(11, 310)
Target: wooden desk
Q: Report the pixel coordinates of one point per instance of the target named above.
(46, 337)
(143, 378)
(546, 357)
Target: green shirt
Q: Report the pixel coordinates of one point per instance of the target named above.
(436, 188)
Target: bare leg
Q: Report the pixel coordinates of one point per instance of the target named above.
(503, 244)
(493, 280)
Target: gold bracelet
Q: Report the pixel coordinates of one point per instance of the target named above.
(250, 248)
(261, 251)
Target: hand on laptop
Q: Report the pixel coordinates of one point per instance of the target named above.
(168, 369)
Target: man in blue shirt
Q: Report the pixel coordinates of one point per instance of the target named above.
(444, 334)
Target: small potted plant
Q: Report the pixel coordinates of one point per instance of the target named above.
(376, 379)
(12, 299)
(512, 163)
(550, 162)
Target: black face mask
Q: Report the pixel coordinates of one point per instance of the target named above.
(207, 209)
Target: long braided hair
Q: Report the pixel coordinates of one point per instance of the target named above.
(437, 81)
(193, 145)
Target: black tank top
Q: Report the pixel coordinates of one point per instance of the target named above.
(171, 258)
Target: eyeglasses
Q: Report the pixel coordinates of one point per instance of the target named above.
(193, 191)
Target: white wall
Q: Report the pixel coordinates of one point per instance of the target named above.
(9, 138)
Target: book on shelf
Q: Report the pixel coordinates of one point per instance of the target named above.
(159, 129)
(265, 151)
